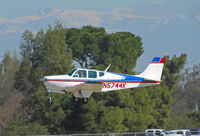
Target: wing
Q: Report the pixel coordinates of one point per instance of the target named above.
(84, 90)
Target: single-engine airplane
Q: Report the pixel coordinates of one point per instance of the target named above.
(83, 82)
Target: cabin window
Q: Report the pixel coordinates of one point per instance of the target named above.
(71, 72)
(149, 133)
(158, 132)
(179, 132)
(80, 74)
(194, 132)
(101, 74)
(92, 74)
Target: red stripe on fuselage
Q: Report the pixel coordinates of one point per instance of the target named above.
(129, 81)
(105, 81)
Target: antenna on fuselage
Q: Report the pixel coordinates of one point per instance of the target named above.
(107, 68)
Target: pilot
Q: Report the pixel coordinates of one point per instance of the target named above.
(81, 74)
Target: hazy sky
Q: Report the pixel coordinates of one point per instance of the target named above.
(167, 27)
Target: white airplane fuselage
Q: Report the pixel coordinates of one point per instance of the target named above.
(110, 81)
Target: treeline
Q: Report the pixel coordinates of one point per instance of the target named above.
(186, 106)
(54, 51)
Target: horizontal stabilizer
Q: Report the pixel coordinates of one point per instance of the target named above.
(53, 91)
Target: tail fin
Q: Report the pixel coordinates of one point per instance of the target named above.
(154, 69)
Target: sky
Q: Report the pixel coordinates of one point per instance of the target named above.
(167, 27)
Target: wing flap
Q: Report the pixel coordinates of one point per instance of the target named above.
(92, 86)
(84, 90)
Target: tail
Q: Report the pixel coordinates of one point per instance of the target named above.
(154, 69)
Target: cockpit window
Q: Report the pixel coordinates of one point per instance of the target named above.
(80, 73)
(71, 72)
(101, 74)
(92, 74)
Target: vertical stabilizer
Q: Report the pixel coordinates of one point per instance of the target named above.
(154, 69)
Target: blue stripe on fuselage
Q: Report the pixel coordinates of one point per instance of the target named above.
(133, 78)
(129, 77)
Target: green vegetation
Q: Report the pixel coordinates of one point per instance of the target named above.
(9, 97)
(53, 51)
(183, 122)
(186, 108)
(27, 128)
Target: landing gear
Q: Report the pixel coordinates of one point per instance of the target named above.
(76, 99)
(50, 99)
(80, 100)
(85, 100)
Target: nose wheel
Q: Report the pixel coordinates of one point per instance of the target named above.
(50, 100)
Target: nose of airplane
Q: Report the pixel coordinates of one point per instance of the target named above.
(44, 79)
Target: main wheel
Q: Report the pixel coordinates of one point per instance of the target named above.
(76, 99)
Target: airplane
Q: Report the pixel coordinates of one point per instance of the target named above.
(83, 82)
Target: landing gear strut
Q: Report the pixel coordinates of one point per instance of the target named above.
(85, 100)
(50, 99)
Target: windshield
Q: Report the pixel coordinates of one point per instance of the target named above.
(71, 72)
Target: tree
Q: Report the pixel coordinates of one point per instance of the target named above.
(187, 97)
(10, 98)
(27, 128)
(93, 47)
(124, 51)
(10, 64)
(1, 70)
(85, 44)
(43, 54)
(89, 115)
(182, 122)
(187, 91)
(112, 119)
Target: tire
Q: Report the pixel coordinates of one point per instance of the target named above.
(76, 99)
